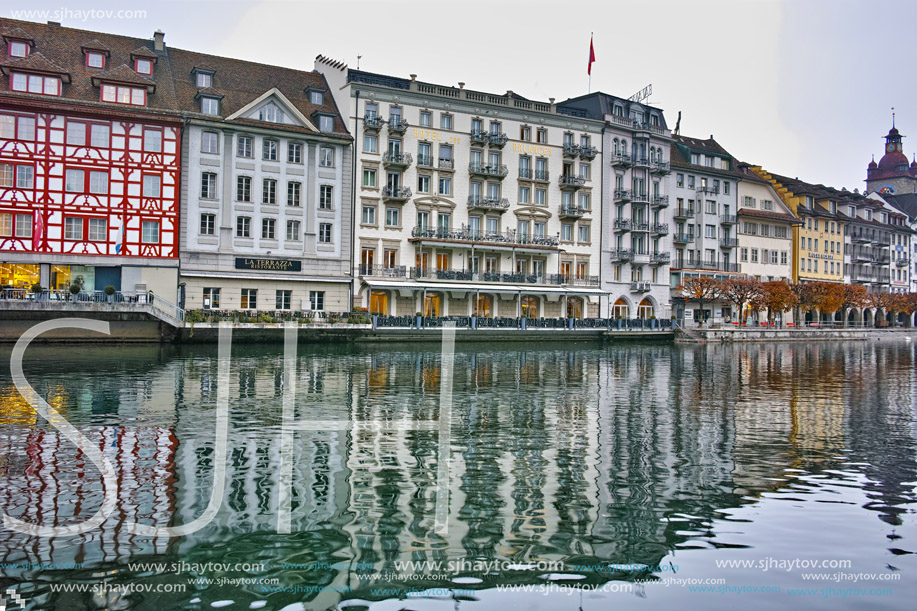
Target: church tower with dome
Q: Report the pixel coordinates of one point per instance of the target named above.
(893, 175)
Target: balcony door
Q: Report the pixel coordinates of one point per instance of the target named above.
(538, 268)
(493, 226)
(423, 220)
(442, 261)
(422, 263)
(378, 302)
(394, 148)
(367, 255)
(393, 181)
(474, 226)
(443, 223)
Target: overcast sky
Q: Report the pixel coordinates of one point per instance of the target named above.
(802, 87)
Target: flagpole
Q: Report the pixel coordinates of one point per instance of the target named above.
(591, 34)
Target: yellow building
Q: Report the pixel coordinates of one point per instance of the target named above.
(818, 241)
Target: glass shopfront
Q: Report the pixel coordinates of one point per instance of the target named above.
(18, 275)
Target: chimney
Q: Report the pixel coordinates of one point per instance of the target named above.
(158, 44)
(55, 23)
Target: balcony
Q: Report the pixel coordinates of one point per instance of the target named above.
(862, 275)
(708, 190)
(424, 161)
(622, 225)
(713, 266)
(373, 122)
(526, 173)
(683, 238)
(901, 262)
(397, 160)
(382, 271)
(497, 140)
(488, 204)
(729, 219)
(641, 226)
(570, 149)
(661, 201)
(860, 237)
(622, 254)
(883, 257)
(542, 176)
(397, 125)
(573, 280)
(570, 182)
(622, 195)
(621, 160)
(588, 152)
(446, 165)
(469, 235)
(479, 137)
(883, 278)
(571, 212)
(729, 242)
(863, 255)
(660, 167)
(660, 258)
(396, 194)
(684, 213)
(641, 198)
(428, 273)
(640, 287)
(641, 162)
(661, 228)
(488, 171)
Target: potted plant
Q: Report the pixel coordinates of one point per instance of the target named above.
(74, 290)
(36, 291)
(110, 292)
(418, 318)
(652, 322)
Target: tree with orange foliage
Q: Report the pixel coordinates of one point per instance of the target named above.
(740, 291)
(807, 297)
(777, 296)
(854, 297)
(700, 289)
(830, 298)
(879, 301)
(907, 303)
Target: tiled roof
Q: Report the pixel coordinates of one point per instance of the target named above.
(15, 33)
(767, 214)
(905, 202)
(95, 45)
(738, 172)
(59, 49)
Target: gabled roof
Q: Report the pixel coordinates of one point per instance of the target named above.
(905, 202)
(123, 74)
(767, 214)
(95, 45)
(36, 63)
(278, 95)
(14, 33)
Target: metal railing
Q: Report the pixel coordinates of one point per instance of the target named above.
(390, 158)
(568, 180)
(497, 139)
(683, 212)
(661, 200)
(622, 225)
(493, 171)
(683, 238)
(588, 152)
(729, 219)
(523, 324)
(488, 203)
(397, 124)
(425, 160)
(661, 257)
(728, 242)
(140, 298)
(661, 228)
(622, 254)
(466, 234)
(479, 137)
(623, 195)
(398, 193)
(382, 271)
(373, 122)
(572, 211)
(542, 175)
(446, 164)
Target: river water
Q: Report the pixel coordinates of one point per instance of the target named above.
(578, 477)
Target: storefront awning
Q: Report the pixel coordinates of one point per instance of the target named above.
(484, 288)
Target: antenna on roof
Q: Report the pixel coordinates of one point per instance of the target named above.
(678, 125)
(358, 61)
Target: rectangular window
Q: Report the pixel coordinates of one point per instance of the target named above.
(445, 186)
(369, 178)
(152, 140)
(324, 233)
(523, 195)
(18, 49)
(244, 188)
(566, 232)
(369, 215)
(208, 185)
(152, 185)
(317, 300)
(445, 121)
(326, 197)
(284, 297)
(135, 96)
(370, 144)
(244, 227)
(423, 183)
(98, 183)
(249, 299)
(317, 98)
(6, 175)
(269, 192)
(204, 80)
(149, 232)
(25, 177)
(583, 233)
(143, 66)
(754, 255)
(269, 150)
(392, 217)
(74, 182)
(73, 228)
(294, 152)
(293, 231)
(209, 142)
(211, 298)
(326, 156)
(208, 224)
(209, 106)
(244, 147)
(426, 118)
(268, 226)
(525, 133)
(326, 124)
(294, 194)
(541, 197)
(99, 135)
(98, 230)
(76, 133)
(744, 257)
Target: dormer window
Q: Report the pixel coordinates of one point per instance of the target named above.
(143, 66)
(326, 123)
(18, 48)
(33, 83)
(94, 59)
(119, 94)
(210, 106)
(271, 113)
(204, 80)
(317, 97)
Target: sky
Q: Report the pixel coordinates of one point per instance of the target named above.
(803, 88)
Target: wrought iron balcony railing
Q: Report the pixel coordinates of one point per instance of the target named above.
(397, 159)
(397, 125)
(497, 139)
(373, 122)
(396, 193)
(488, 203)
(490, 171)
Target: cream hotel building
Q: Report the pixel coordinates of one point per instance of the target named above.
(470, 203)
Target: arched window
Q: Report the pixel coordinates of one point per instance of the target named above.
(378, 302)
(645, 309)
(620, 309)
(615, 146)
(433, 305)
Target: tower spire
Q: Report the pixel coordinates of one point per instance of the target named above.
(893, 116)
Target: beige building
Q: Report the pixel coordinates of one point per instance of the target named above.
(765, 230)
(470, 203)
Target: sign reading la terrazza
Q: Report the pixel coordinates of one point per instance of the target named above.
(268, 265)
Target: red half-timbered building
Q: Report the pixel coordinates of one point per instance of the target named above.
(90, 143)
